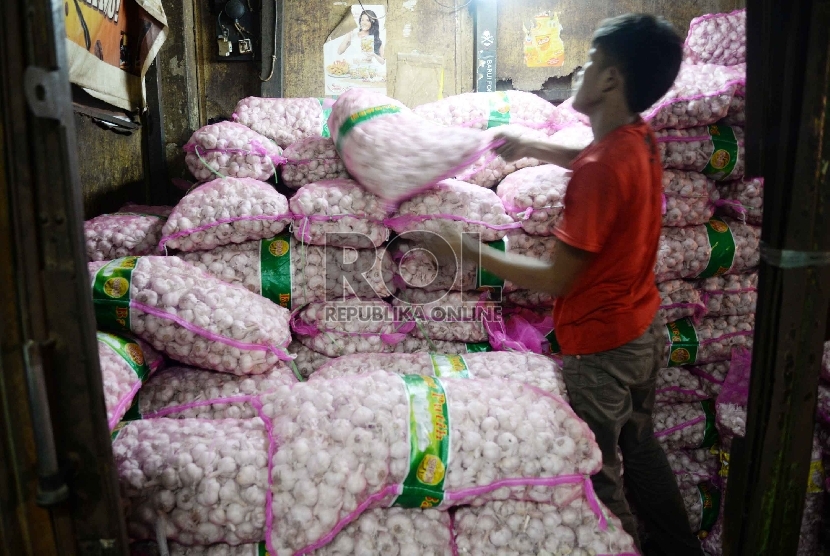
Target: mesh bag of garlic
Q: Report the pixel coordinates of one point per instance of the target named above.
(743, 200)
(733, 295)
(394, 153)
(228, 149)
(490, 169)
(131, 231)
(721, 246)
(186, 392)
(338, 213)
(535, 197)
(679, 299)
(693, 467)
(701, 95)
(285, 120)
(736, 116)
(460, 206)
(345, 448)
(467, 317)
(491, 110)
(703, 504)
(293, 274)
(519, 527)
(190, 315)
(306, 359)
(393, 531)
(717, 39)
(126, 363)
(311, 160)
(536, 370)
(538, 247)
(685, 426)
(680, 385)
(715, 150)
(710, 340)
(689, 198)
(349, 326)
(224, 211)
(417, 268)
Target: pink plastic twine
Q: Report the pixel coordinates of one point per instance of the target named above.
(390, 338)
(165, 411)
(410, 218)
(690, 393)
(306, 219)
(681, 426)
(181, 233)
(278, 351)
(124, 403)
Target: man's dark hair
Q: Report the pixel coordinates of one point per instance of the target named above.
(647, 50)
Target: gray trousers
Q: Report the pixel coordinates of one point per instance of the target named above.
(613, 392)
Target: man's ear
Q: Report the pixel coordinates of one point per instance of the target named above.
(610, 79)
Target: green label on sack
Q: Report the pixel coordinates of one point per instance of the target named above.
(117, 430)
(111, 293)
(683, 342)
(724, 464)
(710, 432)
(499, 110)
(815, 480)
(710, 508)
(724, 152)
(326, 113)
(262, 550)
(129, 352)
(275, 269)
(363, 116)
(429, 434)
(479, 347)
(486, 280)
(722, 248)
(449, 366)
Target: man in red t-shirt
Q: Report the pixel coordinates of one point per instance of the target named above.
(602, 274)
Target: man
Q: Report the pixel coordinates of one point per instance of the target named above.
(602, 273)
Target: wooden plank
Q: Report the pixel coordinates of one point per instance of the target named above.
(764, 505)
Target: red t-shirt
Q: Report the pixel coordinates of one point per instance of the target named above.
(613, 208)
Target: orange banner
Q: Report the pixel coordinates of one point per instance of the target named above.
(118, 32)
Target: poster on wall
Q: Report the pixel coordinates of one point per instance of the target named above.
(543, 46)
(110, 46)
(356, 55)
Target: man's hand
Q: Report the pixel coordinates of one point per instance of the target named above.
(515, 146)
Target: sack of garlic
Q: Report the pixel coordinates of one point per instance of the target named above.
(701, 95)
(490, 169)
(311, 160)
(361, 452)
(685, 426)
(721, 246)
(453, 317)
(126, 363)
(743, 200)
(729, 296)
(124, 233)
(519, 527)
(535, 197)
(285, 120)
(491, 110)
(293, 274)
(715, 150)
(349, 326)
(457, 205)
(307, 360)
(394, 153)
(680, 385)
(717, 39)
(224, 211)
(186, 392)
(679, 299)
(417, 268)
(693, 467)
(231, 150)
(339, 213)
(710, 340)
(689, 197)
(529, 368)
(189, 315)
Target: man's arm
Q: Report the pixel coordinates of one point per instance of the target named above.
(556, 278)
(516, 147)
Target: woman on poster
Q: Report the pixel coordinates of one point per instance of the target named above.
(368, 36)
